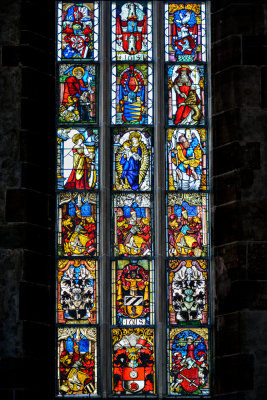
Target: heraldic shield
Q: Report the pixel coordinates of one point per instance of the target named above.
(133, 361)
(189, 361)
(134, 306)
(134, 379)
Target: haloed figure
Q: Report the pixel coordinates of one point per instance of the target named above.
(83, 174)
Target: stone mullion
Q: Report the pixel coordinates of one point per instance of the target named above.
(159, 197)
(105, 178)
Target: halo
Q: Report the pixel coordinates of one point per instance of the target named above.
(76, 69)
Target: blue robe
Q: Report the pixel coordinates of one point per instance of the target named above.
(131, 170)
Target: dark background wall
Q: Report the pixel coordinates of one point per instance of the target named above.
(26, 201)
(239, 82)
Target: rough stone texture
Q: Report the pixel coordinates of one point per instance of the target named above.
(239, 78)
(26, 199)
(239, 166)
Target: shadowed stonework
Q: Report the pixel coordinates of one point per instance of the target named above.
(239, 106)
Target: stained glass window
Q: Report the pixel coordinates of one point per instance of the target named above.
(132, 268)
(132, 292)
(132, 94)
(77, 93)
(109, 286)
(78, 27)
(189, 361)
(133, 361)
(132, 170)
(186, 99)
(185, 31)
(187, 199)
(77, 185)
(77, 158)
(77, 361)
(132, 31)
(187, 151)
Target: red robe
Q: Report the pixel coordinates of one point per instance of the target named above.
(82, 183)
(72, 87)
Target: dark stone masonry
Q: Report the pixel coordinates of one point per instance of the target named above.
(27, 200)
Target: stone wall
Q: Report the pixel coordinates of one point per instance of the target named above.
(240, 175)
(239, 78)
(26, 200)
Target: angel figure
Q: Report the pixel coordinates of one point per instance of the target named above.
(132, 162)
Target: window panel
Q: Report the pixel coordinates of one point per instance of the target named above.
(77, 161)
(132, 31)
(77, 361)
(187, 159)
(187, 225)
(77, 295)
(132, 292)
(132, 159)
(78, 26)
(132, 94)
(77, 224)
(77, 93)
(132, 225)
(188, 302)
(186, 100)
(185, 32)
(133, 362)
(188, 362)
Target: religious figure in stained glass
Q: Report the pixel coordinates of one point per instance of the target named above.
(185, 32)
(77, 93)
(186, 94)
(132, 89)
(187, 225)
(132, 159)
(133, 361)
(77, 27)
(133, 26)
(77, 158)
(132, 293)
(187, 161)
(77, 291)
(132, 225)
(189, 369)
(77, 364)
(77, 230)
(188, 292)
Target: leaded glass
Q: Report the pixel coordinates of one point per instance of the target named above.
(132, 225)
(77, 295)
(186, 100)
(132, 94)
(77, 361)
(132, 159)
(133, 362)
(78, 26)
(132, 31)
(187, 159)
(132, 292)
(187, 225)
(188, 362)
(188, 292)
(77, 224)
(77, 93)
(185, 32)
(77, 158)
